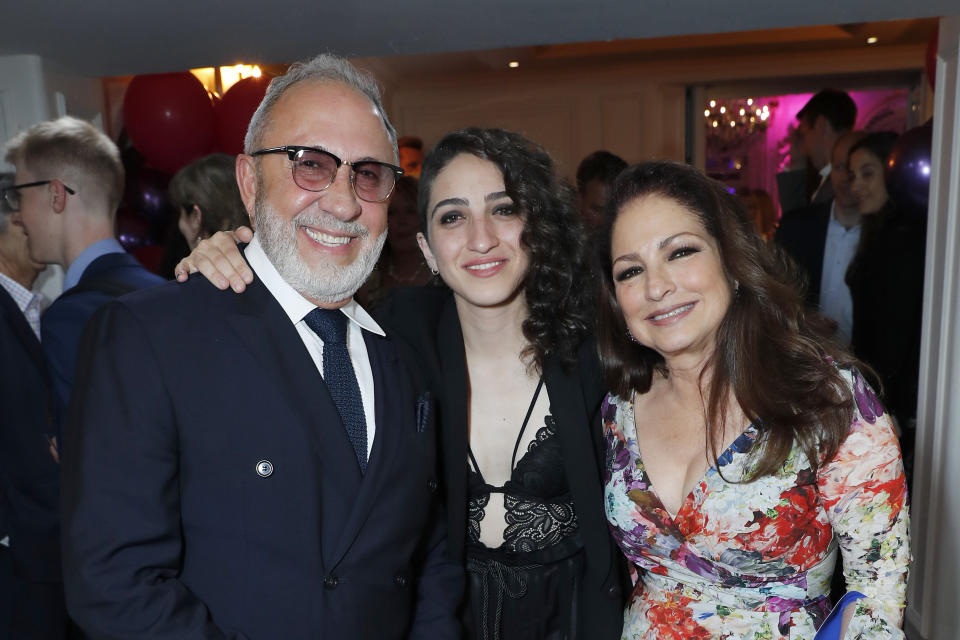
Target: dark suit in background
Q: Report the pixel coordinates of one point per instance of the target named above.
(426, 318)
(107, 277)
(795, 191)
(803, 235)
(216, 495)
(30, 577)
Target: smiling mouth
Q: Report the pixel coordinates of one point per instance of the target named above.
(673, 313)
(327, 239)
(486, 265)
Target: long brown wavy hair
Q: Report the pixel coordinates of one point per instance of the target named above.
(776, 357)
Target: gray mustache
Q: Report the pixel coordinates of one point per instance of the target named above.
(331, 223)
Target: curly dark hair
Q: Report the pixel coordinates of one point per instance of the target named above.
(557, 298)
(775, 356)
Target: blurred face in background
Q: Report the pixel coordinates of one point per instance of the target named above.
(593, 202)
(402, 221)
(840, 172)
(411, 159)
(866, 181)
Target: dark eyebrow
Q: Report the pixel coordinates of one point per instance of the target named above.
(460, 202)
(496, 195)
(635, 257)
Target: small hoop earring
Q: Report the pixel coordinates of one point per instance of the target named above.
(435, 271)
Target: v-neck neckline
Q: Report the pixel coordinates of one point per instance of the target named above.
(724, 458)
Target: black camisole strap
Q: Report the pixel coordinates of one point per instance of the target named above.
(516, 446)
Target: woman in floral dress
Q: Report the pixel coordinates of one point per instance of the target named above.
(744, 449)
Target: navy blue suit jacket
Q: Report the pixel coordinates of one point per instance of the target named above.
(63, 323)
(29, 482)
(170, 531)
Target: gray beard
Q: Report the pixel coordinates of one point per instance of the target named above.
(329, 282)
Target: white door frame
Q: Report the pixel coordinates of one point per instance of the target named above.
(932, 612)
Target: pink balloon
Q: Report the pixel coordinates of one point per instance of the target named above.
(169, 119)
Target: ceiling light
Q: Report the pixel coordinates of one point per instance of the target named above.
(513, 64)
(872, 40)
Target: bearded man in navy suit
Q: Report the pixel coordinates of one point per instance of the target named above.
(231, 470)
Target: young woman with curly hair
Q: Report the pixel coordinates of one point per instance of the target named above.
(508, 351)
(743, 447)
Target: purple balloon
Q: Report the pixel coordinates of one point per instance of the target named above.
(908, 169)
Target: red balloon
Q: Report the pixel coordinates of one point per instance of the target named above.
(235, 110)
(169, 119)
(931, 60)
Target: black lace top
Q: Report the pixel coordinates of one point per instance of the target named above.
(537, 500)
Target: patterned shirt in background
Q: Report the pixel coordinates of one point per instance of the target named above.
(755, 560)
(31, 304)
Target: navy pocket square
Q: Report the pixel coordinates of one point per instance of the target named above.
(423, 411)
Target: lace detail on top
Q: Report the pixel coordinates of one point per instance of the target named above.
(532, 525)
(475, 514)
(539, 508)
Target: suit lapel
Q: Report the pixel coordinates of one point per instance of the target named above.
(453, 421)
(393, 402)
(261, 325)
(21, 328)
(574, 427)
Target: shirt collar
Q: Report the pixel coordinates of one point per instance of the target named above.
(294, 304)
(825, 172)
(20, 294)
(91, 253)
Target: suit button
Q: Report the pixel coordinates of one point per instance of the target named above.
(613, 592)
(331, 582)
(400, 580)
(433, 485)
(264, 468)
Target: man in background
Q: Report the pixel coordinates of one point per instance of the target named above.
(595, 175)
(31, 588)
(823, 238)
(827, 115)
(69, 184)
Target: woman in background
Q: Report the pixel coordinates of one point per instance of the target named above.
(401, 264)
(205, 193)
(886, 280)
(744, 448)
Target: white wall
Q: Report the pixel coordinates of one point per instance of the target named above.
(635, 110)
(932, 612)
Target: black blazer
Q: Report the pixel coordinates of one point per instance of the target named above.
(426, 319)
(803, 235)
(29, 483)
(210, 489)
(886, 285)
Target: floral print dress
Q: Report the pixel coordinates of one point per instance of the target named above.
(755, 560)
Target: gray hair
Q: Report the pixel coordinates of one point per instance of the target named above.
(74, 151)
(6, 180)
(324, 67)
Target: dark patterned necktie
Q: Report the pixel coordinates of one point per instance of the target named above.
(341, 380)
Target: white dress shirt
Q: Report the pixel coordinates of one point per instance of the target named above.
(838, 251)
(31, 304)
(824, 176)
(297, 307)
